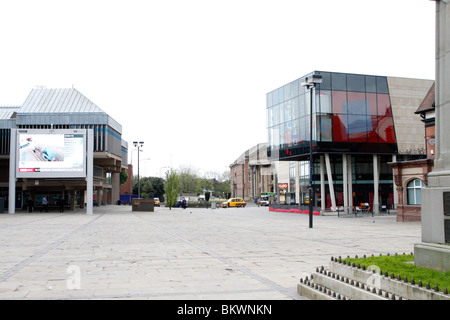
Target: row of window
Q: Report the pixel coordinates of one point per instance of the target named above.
(333, 128)
(347, 108)
(330, 81)
(331, 102)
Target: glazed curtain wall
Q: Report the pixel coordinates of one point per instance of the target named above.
(347, 109)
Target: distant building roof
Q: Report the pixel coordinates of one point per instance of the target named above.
(62, 107)
(428, 103)
(7, 112)
(58, 101)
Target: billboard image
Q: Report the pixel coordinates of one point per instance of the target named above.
(51, 153)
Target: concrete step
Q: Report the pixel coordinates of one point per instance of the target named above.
(342, 281)
(326, 285)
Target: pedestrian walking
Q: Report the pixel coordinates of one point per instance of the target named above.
(44, 204)
(30, 204)
(61, 203)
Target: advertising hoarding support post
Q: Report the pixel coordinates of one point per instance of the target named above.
(90, 172)
(12, 173)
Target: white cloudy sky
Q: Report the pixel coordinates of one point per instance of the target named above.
(190, 77)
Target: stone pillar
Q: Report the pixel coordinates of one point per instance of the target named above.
(72, 200)
(115, 190)
(432, 252)
(330, 182)
(439, 178)
(350, 182)
(394, 186)
(376, 185)
(345, 181)
(82, 199)
(323, 195)
(99, 197)
(105, 196)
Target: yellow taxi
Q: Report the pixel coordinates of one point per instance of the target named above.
(234, 202)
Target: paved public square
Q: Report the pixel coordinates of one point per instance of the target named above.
(219, 254)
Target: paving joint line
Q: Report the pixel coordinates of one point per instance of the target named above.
(39, 254)
(40, 219)
(215, 255)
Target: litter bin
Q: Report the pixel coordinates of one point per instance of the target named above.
(213, 205)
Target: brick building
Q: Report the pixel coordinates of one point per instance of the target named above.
(127, 188)
(252, 174)
(411, 175)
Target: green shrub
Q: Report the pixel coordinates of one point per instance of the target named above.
(403, 265)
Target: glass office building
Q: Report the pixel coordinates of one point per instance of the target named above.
(353, 138)
(351, 113)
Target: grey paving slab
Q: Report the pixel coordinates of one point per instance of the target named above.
(219, 254)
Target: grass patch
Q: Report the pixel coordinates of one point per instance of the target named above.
(398, 264)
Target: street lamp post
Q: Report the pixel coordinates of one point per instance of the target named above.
(310, 82)
(139, 145)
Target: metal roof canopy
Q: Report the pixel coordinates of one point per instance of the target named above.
(62, 106)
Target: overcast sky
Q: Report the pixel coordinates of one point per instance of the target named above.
(190, 77)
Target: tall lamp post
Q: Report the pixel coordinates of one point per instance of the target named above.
(310, 83)
(139, 145)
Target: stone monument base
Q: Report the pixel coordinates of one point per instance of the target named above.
(434, 250)
(432, 255)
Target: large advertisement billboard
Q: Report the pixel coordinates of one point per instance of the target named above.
(51, 153)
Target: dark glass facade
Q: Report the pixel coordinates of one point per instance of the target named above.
(351, 114)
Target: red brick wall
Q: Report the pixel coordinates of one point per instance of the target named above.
(125, 188)
(408, 213)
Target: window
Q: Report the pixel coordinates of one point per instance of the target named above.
(355, 82)
(384, 105)
(326, 81)
(292, 169)
(325, 128)
(269, 100)
(338, 81)
(386, 132)
(382, 85)
(323, 99)
(414, 189)
(339, 99)
(371, 85)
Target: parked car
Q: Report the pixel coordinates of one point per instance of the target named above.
(233, 202)
(264, 201)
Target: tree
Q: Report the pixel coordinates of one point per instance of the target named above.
(147, 188)
(150, 187)
(222, 188)
(203, 184)
(188, 179)
(123, 177)
(158, 186)
(172, 186)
